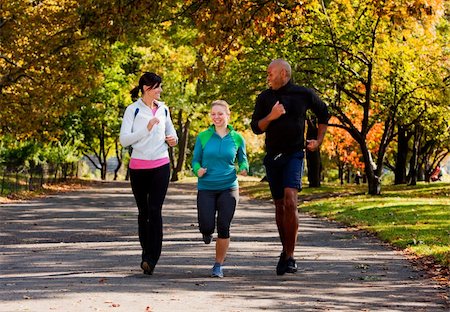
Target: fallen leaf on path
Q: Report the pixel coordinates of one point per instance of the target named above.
(369, 278)
(362, 266)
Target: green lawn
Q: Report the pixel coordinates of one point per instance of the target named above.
(414, 218)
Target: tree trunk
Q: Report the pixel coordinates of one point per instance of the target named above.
(373, 177)
(413, 164)
(119, 153)
(313, 160)
(374, 183)
(182, 147)
(341, 172)
(313, 163)
(103, 171)
(101, 156)
(402, 152)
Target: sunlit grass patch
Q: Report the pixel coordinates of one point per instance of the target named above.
(405, 222)
(261, 190)
(422, 189)
(255, 189)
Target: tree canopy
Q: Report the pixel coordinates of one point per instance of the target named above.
(382, 67)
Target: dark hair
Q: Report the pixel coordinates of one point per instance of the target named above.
(147, 79)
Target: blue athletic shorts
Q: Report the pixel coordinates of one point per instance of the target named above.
(284, 170)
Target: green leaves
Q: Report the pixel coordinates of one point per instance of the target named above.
(377, 63)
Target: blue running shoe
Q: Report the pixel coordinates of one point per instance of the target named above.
(217, 270)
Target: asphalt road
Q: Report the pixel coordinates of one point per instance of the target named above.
(79, 251)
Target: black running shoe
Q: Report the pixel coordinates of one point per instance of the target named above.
(282, 265)
(291, 266)
(207, 238)
(147, 267)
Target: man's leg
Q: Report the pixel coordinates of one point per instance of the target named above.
(287, 223)
(286, 215)
(279, 218)
(290, 221)
(285, 181)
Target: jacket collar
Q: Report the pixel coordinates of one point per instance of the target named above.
(213, 128)
(287, 86)
(158, 103)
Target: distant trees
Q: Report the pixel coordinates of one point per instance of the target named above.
(382, 66)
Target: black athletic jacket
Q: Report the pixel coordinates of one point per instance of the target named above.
(286, 134)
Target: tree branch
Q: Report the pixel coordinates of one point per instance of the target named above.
(8, 60)
(92, 161)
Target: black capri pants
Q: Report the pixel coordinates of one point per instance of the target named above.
(224, 203)
(149, 188)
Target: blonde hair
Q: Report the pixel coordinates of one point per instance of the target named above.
(223, 104)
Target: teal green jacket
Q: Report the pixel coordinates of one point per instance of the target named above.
(218, 155)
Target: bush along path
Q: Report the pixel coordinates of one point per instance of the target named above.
(79, 251)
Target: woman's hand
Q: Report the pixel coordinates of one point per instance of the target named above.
(201, 172)
(243, 172)
(152, 122)
(171, 141)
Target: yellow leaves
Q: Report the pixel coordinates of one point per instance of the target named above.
(49, 63)
(420, 12)
(254, 143)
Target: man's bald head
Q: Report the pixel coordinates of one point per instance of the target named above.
(278, 73)
(283, 65)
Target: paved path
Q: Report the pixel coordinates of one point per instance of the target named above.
(79, 251)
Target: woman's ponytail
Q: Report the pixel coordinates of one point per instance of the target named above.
(134, 93)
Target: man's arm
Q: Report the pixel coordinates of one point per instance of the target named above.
(275, 113)
(313, 145)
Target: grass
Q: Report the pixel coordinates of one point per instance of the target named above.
(413, 218)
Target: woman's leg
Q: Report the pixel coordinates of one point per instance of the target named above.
(158, 184)
(222, 245)
(226, 206)
(139, 182)
(206, 211)
(149, 188)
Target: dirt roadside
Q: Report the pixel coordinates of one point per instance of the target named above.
(78, 251)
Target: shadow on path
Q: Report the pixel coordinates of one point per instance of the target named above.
(79, 251)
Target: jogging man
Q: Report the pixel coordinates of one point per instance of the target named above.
(280, 113)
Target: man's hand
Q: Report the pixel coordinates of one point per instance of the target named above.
(277, 111)
(312, 145)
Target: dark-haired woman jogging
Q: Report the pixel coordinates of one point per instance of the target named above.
(148, 129)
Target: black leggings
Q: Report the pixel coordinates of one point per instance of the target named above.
(224, 202)
(149, 188)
